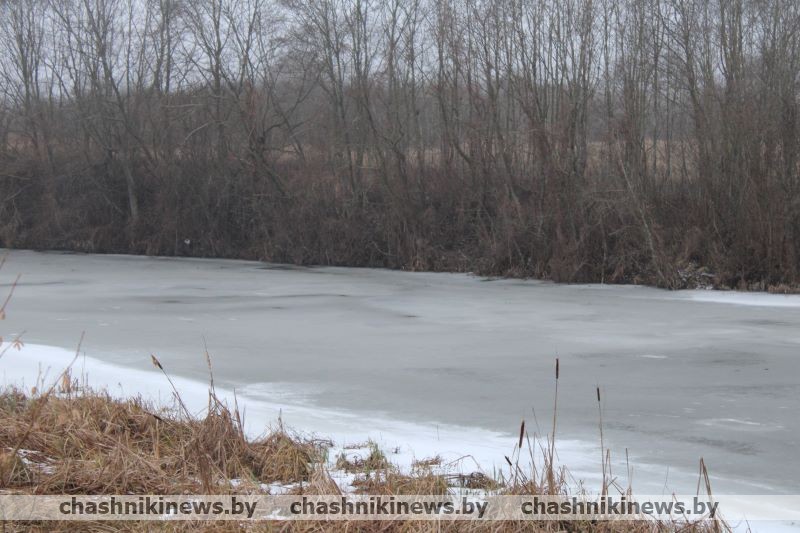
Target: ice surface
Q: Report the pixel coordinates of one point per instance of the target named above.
(441, 363)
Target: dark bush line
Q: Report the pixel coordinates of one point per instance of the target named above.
(648, 141)
(451, 229)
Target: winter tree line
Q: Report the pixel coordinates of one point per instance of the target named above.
(575, 140)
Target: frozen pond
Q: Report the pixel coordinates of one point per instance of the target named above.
(444, 361)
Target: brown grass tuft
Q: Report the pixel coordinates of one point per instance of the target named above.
(374, 461)
(17, 472)
(284, 459)
(395, 483)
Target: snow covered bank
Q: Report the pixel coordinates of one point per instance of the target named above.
(465, 449)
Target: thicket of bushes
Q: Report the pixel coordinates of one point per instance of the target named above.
(643, 140)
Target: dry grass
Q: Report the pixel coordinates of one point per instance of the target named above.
(91, 443)
(86, 442)
(394, 482)
(783, 288)
(374, 461)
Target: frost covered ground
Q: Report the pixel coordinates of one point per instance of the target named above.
(438, 364)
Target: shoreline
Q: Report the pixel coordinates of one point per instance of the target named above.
(466, 449)
(694, 283)
(480, 449)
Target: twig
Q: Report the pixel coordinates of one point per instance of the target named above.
(157, 364)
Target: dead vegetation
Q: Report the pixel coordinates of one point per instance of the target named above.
(390, 481)
(89, 443)
(642, 141)
(427, 462)
(374, 460)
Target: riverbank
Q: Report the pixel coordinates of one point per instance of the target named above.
(68, 439)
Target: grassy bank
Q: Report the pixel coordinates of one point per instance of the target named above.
(71, 441)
